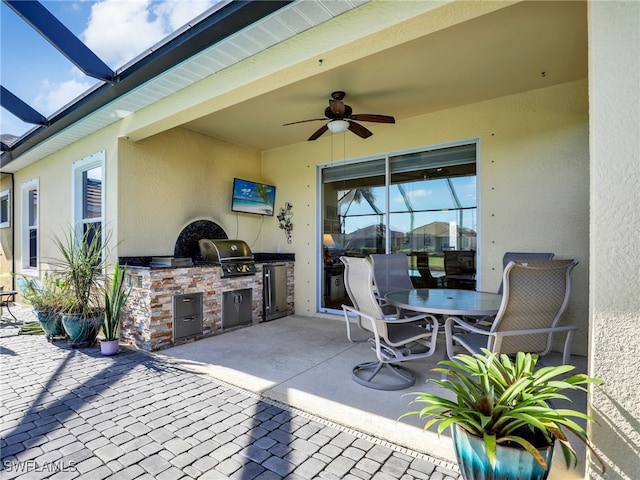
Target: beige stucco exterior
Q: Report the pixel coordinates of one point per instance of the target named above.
(533, 181)
(614, 302)
(557, 171)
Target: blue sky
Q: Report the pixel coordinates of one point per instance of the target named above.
(116, 30)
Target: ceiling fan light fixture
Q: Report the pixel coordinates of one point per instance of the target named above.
(338, 126)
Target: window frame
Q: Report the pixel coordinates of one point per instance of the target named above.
(27, 227)
(5, 196)
(78, 200)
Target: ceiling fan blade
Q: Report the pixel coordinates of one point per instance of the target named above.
(369, 117)
(318, 132)
(304, 121)
(359, 130)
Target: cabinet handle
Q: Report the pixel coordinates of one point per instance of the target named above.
(187, 299)
(188, 319)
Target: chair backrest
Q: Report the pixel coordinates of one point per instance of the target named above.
(523, 256)
(459, 262)
(390, 272)
(422, 264)
(358, 281)
(535, 296)
(22, 284)
(347, 262)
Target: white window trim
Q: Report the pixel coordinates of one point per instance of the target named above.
(6, 194)
(33, 184)
(82, 165)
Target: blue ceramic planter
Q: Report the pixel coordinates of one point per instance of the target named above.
(511, 463)
(81, 330)
(50, 322)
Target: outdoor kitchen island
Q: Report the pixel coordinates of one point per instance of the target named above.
(172, 304)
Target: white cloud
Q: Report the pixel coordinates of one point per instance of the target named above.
(53, 95)
(179, 13)
(120, 30)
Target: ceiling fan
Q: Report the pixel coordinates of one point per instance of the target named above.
(341, 118)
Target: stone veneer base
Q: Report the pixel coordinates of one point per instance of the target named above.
(148, 317)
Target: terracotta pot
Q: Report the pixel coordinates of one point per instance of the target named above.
(511, 463)
(109, 347)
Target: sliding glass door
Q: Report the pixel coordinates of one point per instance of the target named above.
(421, 203)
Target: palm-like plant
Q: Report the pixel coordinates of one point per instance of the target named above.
(506, 402)
(114, 299)
(47, 298)
(81, 270)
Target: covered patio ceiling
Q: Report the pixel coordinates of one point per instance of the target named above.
(522, 47)
(514, 47)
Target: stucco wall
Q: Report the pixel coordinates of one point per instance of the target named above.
(172, 179)
(6, 240)
(614, 73)
(533, 182)
(54, 175)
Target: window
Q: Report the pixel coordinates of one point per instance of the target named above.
(30, 224)
(4, 209)
(88, 196)
(411, 202)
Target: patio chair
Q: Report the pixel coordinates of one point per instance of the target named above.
(535, 296)
(394, 339)
(347, 261)
(390, 274)
(422, 264)
(506, 258)
(460, 269)
(523, 256)
(24, 286)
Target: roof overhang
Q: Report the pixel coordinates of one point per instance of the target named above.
(213, 29)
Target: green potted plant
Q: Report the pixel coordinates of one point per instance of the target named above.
(500, 411)
(81, 269)
(115, 296)
(46, 302)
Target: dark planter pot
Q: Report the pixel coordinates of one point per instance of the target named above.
(511, 463)
(81, 330)
(50, 322)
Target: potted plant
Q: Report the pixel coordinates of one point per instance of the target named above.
(504, 425)
(46, 302)
(114, 299)
(81, 269)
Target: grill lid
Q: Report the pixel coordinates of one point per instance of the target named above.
(224, 251)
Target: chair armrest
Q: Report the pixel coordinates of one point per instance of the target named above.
(464, 325)
(422, 316)
(511, 333)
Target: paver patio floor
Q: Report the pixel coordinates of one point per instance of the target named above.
(73, 413)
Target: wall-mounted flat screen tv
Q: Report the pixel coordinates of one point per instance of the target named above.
(253, 197)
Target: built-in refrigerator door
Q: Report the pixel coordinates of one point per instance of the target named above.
(275, 291)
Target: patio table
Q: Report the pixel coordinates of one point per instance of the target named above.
(7, 296)
(445, 301)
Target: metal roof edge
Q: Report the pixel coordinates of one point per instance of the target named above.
(222, 23)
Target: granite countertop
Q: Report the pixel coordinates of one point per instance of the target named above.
(164, 261)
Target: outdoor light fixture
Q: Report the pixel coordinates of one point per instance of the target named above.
(338, 126)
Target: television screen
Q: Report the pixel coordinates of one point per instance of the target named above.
(253, 197)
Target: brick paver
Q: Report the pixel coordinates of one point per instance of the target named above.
(73, 413)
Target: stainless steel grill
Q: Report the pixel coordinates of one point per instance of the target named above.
(234, 256)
